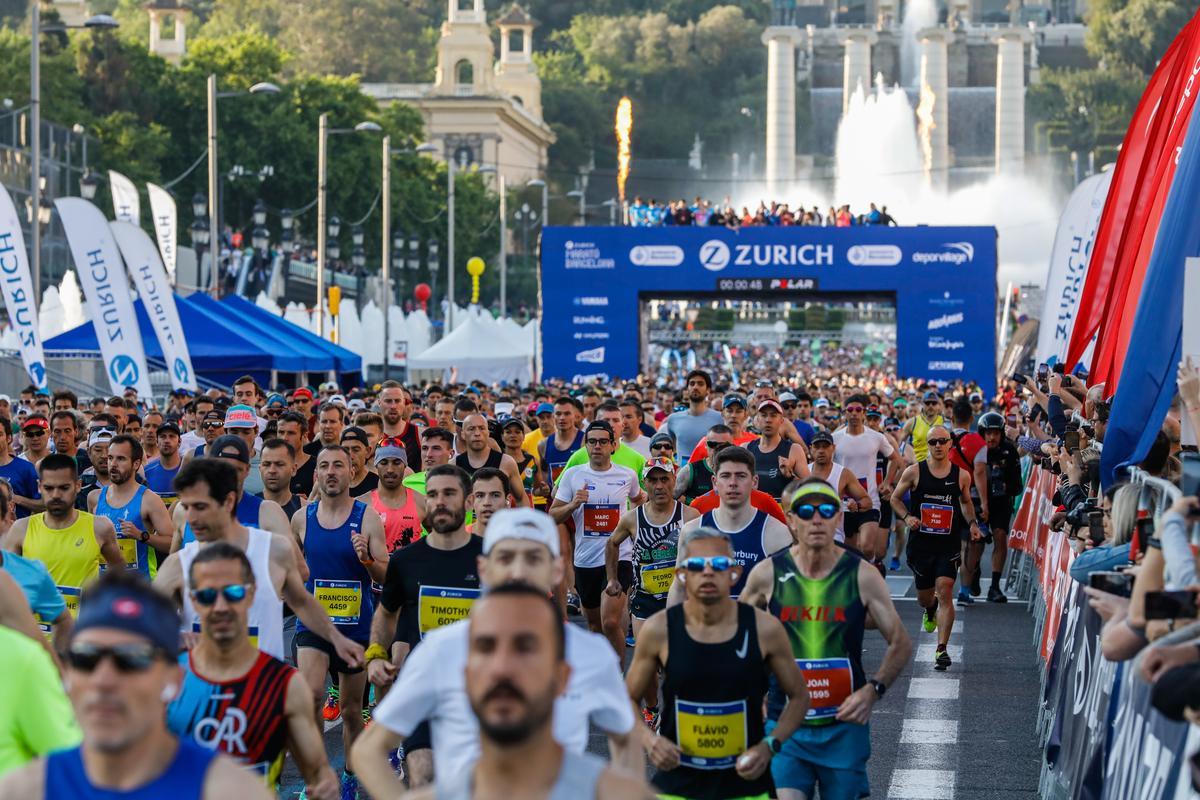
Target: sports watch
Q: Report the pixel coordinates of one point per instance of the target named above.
(773, 744)
(877, 686)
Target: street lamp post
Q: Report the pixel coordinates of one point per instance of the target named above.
(503, 249)
(397, 247)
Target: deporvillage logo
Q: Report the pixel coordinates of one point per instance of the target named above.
(957, 253)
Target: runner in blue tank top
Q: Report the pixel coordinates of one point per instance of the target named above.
(121, 670)
(141, 519)
(567, 413)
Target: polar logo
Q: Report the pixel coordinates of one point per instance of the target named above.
(656, 256)
(593, 356)
(181, 371)
(123, 371)
(957, 253)
(714, 255)
(945, 321)
(874, 255)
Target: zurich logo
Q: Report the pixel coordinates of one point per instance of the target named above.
(123, 371)
(37, 371)
(714, 255)
(180, 370)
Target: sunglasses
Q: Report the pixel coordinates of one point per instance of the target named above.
(34, 432)
(937, 442)
(233, 593)
(854, 409)
(662, 446)
(788, 406)
(715, 446)
(126, 657)
(718, 563)
(807, 510)
(212, 426)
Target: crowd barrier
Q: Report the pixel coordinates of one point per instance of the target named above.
(1101, 738)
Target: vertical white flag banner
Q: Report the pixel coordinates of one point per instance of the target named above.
(1068, 266)
(150, 278)
(18, 291)
(166, 225)
(102, 278)
(126, 204)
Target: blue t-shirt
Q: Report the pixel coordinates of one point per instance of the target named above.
(35, 581)
(23, 478)
(804, 430)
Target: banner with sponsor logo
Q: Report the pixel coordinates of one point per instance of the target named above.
(1068, 266)
(127, 206)
(19, 301)
(166, 225)
(102, 278)
(942, 280)
(1032, 524)
(154, 288)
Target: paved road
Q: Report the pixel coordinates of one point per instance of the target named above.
(963, 734)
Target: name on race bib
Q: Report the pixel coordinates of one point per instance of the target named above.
(656, 578)
(936, 519)
(71, 598)
(711, 735)
(600, 519)
(440, 606)
(342, 600)
(829, 681)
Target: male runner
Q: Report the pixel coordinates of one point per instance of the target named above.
(437, 448)
(478, 453)
(293, 429)
(916, 428)
(554, 451)
(140, 517)
(71, 543)
(695, 478)
(832, 746)
(716, 656)
(331, 421)
(242, 421)
(341, 537)
(938, 491)
(733, 415)
(516, 669)
(395, 403)
(252, 510)
(754, 534)
(858, 449)
(96, 476)
(631, 418)
(121, 674)
(20, 474)
(854, 496)
(428, 585)
(236, 699)
(212, 425)
(208, 494)
(521, 545)
(35, 436)
(776, 462)
(358, 446)
(624, 455)
(594, 496)
(149, 437)
(64, 430)
(1004, 487)
(541, 417)
(277, 468)
(490, 492)
(688, 427)
(968, 452)
(42, 596)
(400, 508)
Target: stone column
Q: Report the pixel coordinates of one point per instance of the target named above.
(933, 110)
(857, 69)
(781, 42)
(1010, 99)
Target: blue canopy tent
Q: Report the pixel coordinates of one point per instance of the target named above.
(290, 355)
(343, 360)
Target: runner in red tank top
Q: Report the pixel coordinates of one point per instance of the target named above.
(400, 508)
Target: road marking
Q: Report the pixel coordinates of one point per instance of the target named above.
(933, 688)
(925, 653)
(929, 731)
(922, 784)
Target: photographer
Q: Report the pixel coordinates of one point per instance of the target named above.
(1119, 509)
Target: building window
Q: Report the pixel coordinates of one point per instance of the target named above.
(464, 73)
(464, 156)
(516, 40)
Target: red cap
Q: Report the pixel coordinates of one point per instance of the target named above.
(36, 421)
(302, 392)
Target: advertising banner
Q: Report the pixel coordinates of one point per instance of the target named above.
(19, 301)
(942, 281)
(166, 225)
(127, 206)
(150, 278)
(102, 278)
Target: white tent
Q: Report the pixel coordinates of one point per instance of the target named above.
(477, 350)
(372, 320)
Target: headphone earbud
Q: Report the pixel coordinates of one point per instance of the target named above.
(168, 692)
(683, 578)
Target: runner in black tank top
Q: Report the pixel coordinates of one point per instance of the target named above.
(493, 460)
(771, 478)
(700, 482)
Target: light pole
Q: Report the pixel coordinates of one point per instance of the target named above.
(214, 232)
(99, 21)
(450, 170)
(397, 247)
(323, 134)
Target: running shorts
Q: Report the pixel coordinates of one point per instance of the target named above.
(590, 582)
(929, 565)
(833, 757)
(853, 520)
(310, 641)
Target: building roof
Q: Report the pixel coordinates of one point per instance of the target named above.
(516, 16)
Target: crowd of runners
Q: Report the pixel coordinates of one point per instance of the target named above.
(470, 578)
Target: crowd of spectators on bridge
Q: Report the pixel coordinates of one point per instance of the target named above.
(652, 213)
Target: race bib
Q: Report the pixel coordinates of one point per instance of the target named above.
(936, 519)
(711, 735)
(656, 578)
(252, 631)
(71, 597)
(342, 600)
(129, 551)
(442, 605)
(600, 519)
(830, 681)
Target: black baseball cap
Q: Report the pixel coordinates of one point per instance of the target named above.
(169, 426)
(357, 434)
(230, 446)
(821, 437)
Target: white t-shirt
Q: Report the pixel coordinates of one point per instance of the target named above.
(595, 520)
(432, 688)
(640, 445)
(858, 454)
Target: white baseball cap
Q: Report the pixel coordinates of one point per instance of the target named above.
(521, 523)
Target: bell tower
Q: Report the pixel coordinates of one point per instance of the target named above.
(516, 74)
(465, 54)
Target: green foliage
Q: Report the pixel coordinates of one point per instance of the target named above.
(1135, 33)
(1087, 106)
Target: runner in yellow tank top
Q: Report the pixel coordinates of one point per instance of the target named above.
(917, 428)
(69, 542)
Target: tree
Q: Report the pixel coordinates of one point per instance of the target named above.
(1135, 33)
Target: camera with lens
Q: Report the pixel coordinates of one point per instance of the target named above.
(1077, 517)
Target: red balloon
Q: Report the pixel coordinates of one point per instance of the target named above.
(422, 292)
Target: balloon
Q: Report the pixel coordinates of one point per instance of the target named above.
(422, 293)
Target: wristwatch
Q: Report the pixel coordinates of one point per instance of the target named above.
(878, 686)
(145, 537)
(773, 744)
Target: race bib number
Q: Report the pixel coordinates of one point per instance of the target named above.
(600, 519)
(342, 600)
(711, 735)
(440, 606)
(830, 681)
(129, 551)
(71, 597)
(936, 519)
(656, 578)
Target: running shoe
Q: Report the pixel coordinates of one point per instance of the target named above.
(995, 595)
(929, 623)
(650, 717)
(941, 660)
(573, 606)
(964, 597)
(629, 640)
(333, 704)
(396, 760)
(349, 787)
(895, 565)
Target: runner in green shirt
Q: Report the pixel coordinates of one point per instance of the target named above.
(35, 715)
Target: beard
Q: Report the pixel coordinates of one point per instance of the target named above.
(447, 520)
(538, 711)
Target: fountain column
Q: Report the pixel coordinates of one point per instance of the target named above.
(781, 42)
(857, 62)
(1010, 99)
(933, 112)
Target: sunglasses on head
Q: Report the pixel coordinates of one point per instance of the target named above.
(233, 593)
(806, 511)
(126, 658)
(718, 563)
(938, 442)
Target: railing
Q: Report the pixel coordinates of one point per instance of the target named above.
(307, 271)
(746, 337)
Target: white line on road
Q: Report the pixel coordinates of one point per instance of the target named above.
(933, 688)
(922, 784)
(929, 731)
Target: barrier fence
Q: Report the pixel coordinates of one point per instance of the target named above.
(1101, 737)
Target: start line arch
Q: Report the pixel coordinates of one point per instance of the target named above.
(943, 280)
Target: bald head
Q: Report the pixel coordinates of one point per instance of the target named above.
(475, 433)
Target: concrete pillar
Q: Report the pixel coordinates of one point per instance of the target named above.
(933, 111)
(1010, 99)
(781, 42)
(857, 62)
